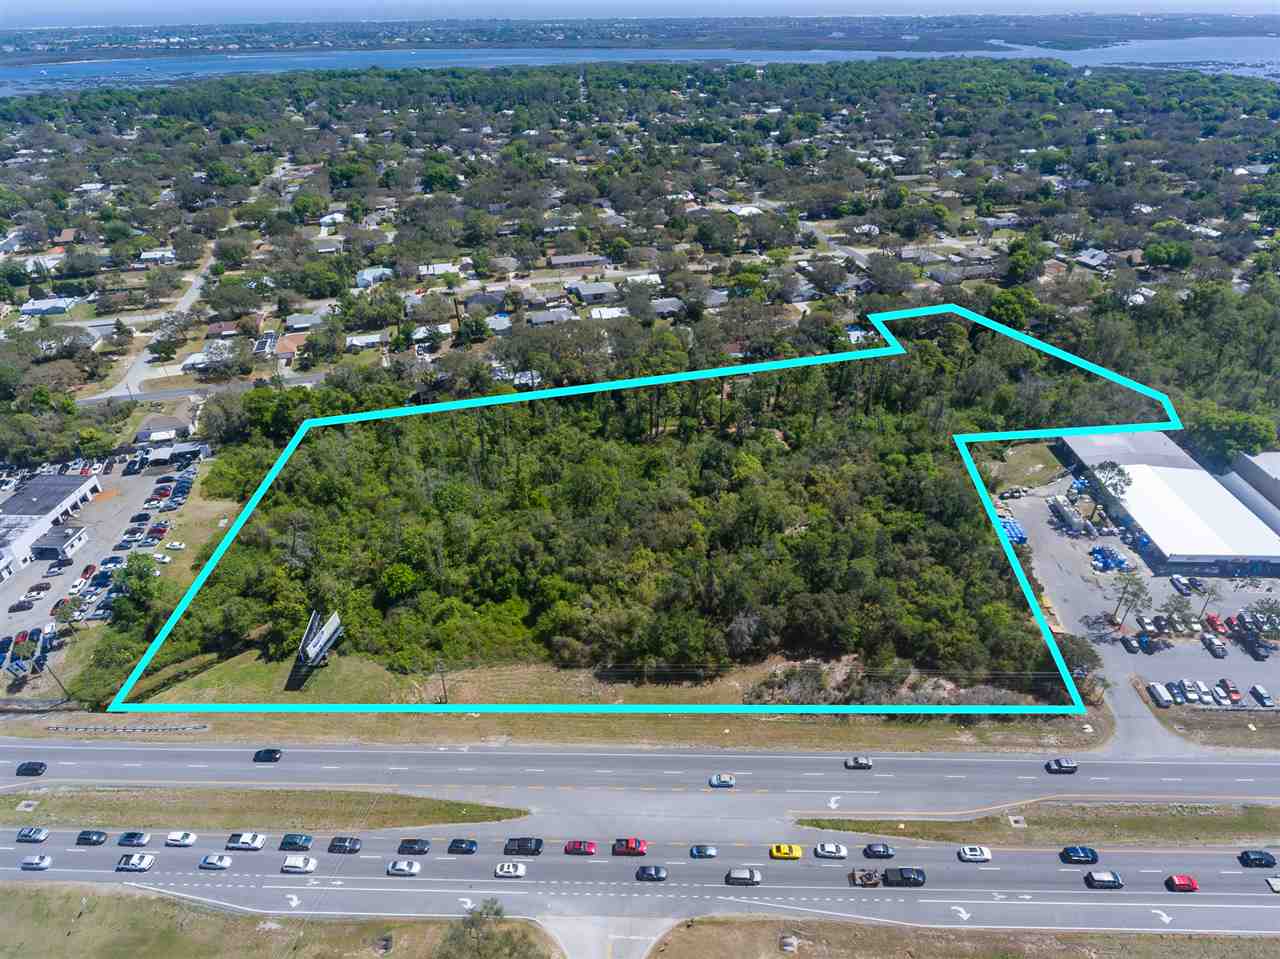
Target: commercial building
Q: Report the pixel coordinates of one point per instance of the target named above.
(1190, 516)
(35, 520)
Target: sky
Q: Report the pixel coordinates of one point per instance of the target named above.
(20, 14)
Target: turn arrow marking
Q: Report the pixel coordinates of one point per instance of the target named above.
(961, 912)
(1163, 916)
(833, 802)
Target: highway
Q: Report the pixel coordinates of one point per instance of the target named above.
(663, 796)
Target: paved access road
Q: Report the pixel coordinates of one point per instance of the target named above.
(596, 906)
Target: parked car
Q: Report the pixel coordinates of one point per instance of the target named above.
(1176, 694)
(1259, 692)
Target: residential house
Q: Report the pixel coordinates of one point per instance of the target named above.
(358, 342)
(550, 317)
(599, 292)
(576, 261)
(50, 306)
(372, 275)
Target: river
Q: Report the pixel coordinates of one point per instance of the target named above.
(1248, 56)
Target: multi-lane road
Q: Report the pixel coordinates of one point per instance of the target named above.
(663, 796)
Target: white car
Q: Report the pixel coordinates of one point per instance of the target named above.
(175, 544)
(858, 762)
(974, 854)
(299, 864)
(830, 850)
(38, 863)
(246, 841)
(138, 862)
(403, 867)
(215, 862)
(510, 870)
(182, 839)
(162, 558)
(722, 781)
(74, 588)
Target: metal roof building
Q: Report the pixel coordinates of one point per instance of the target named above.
(1190, 516)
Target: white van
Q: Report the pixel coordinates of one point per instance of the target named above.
(1159, 695)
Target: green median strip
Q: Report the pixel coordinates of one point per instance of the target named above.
(262, 809)
(1067, 824)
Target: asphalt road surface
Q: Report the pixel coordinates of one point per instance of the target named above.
(663, 796)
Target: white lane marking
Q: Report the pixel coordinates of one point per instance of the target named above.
(883, 776)
(132, 765)
(535, 770)
(63, 763)
(990, 868)
(197, 765)
(446, 858)
(330, 767)
(1029, 777)
(955, 776)
(397, 769)
(1244, 780)
(843, 792)
(1171, 779)
(673, 772)
(1100, 779)
(813, 774)
(1156, 871)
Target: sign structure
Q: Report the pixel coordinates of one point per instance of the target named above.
(892, 347)
(318, 639)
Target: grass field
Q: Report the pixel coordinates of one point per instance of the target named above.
(1058, 824)
(1026, 464)
(224, 808)
(855, 734)
(758, 938)
(66, 921)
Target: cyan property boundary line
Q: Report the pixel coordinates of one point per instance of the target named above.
(893, 348)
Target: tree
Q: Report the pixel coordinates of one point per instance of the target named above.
(1130, 591)
(1212, 594)
(1176, 605)
(482, 934)
(165, 346)
(1114, 481)
(889, 275)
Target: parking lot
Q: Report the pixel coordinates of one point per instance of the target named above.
(1079, 597)
(107, 520)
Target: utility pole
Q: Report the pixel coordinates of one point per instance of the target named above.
(444, 689)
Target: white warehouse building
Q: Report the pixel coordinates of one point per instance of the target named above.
(34, 520)
(1191, 518)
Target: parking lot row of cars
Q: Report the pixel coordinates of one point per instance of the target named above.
(1180, 692)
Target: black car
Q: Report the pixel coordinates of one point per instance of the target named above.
(1130, 644)
(91, 837)
(295, 842)
(524, 846)
(1257, 859)
(1061, 767)
(347, 845)
(134, 839)
(878, 850)
(32, 768)
(414, 847)
(463, 847)
(651, 874)
(268, 755)
(1082, 855)
(21, 606)
(121, 546)
(904, 877)
(139, 518)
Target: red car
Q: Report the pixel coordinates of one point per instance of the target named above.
(1182, 883)
(1216, 624)
(20, 638)
(158, 530)
(88, 571)
(1232, 691)
(630, 847)
(579, 847)
(162, 493)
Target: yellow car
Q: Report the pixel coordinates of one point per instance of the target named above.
(784, 850)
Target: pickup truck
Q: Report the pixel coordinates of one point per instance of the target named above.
(903, 877)
(630, 847)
